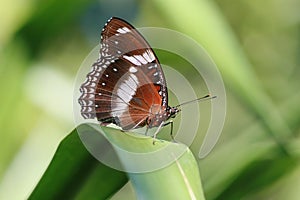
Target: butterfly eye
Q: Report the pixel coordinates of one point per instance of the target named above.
(173, 112)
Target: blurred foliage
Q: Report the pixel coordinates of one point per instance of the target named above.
(49, 20)
(254, 43)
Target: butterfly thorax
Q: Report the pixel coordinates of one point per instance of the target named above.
(159, 114)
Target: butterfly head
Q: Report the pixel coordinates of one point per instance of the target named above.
(160, 114)
(173, 111)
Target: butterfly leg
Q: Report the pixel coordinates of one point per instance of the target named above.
(156, 132)
(147, 128)
(171, 132)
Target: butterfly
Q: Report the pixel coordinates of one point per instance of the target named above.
(126, 85)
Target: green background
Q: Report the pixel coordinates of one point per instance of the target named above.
(255, 45)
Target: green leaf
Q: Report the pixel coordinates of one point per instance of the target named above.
(74, 169)
(180, 180)
(73, 172)
(171, 173)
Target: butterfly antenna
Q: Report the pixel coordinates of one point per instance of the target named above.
(204, 98)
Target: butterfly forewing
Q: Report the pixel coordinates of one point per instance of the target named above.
(122, 40)
(126, 81)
